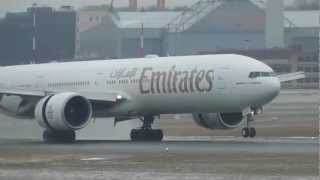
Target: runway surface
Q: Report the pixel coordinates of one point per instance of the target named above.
(221, 157)
(286, 147)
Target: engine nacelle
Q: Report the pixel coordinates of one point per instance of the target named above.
(64, 111)
(218, 120)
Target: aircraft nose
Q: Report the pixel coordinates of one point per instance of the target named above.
(270, 91)
(274, 87)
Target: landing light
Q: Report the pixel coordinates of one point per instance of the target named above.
(257, 110)
(119, 97)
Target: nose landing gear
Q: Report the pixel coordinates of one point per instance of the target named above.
(146, 133)
(248, 131)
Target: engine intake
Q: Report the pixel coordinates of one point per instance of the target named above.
(218, 120)
(64, 111)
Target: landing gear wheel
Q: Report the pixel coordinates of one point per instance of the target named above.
(245, 132)
(155, 135)
(59, 136)
(146, 133)
(252, 132)
(248, 131)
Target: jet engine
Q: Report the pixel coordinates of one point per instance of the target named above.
(63, 112)
(218, 120)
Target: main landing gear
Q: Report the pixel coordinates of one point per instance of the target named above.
(248, 131)
(146, 133)
(59, 136)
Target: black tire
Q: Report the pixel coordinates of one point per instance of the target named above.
(252, 132)
(59, 136)
(136, 135)
(156, 135)
(152, 135)
(245, 132)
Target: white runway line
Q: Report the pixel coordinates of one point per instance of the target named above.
(299, 137)
(92, 159)
(237, 138)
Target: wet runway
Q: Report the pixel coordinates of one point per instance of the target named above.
(172, 159)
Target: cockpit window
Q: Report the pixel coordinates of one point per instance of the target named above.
(254, 75)
(261, 74)
(265, 74)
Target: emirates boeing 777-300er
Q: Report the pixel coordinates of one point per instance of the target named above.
(221, 91)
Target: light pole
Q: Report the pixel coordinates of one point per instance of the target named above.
(141, 49)
(34, 45)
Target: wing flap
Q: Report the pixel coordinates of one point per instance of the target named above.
(291, 76)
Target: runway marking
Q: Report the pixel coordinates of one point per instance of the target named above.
(299, 137)
(92, 159)
(193, 138)
(234, 138)
(104, 157)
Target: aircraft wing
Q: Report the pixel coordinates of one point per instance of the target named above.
(103, 96)
(291, 76)
(20, 92)
(93, 96)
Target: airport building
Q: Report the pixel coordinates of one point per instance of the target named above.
(41, 34)
(235, 26)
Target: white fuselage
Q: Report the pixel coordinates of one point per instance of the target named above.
(188, 84)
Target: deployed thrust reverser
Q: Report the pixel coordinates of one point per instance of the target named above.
(62, 114)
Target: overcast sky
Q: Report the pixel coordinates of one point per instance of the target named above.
(21, 5)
